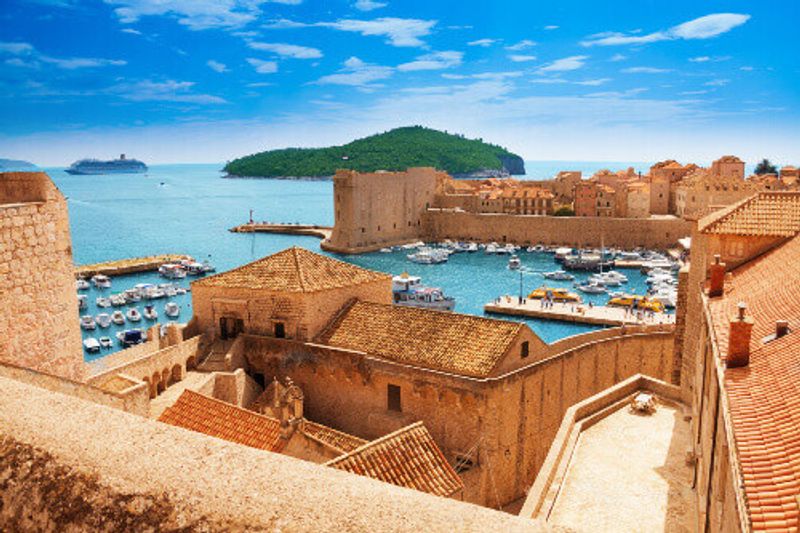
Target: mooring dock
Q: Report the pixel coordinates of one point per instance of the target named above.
(572, 312)
(129, 266)
(323, 232)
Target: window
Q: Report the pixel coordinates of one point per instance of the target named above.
(280, 330)
(464, 462)
(393, 398)
(524, 350)
(363, 230)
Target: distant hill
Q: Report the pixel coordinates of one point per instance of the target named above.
(8, 165)
(397, 149)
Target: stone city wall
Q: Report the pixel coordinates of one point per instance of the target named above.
(38, 306)
(71, 465)
(659, 233)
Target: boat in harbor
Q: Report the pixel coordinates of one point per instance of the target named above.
(88, 323)
(132, 295)
(83, 302)
(102, 302)
(123, 165)
(636, 301)
(408, 290)
(592, 287)
(173, 271)
(556, 294)
(130, 337)
(429, 256)
(118, 318)
(91, 345)
(105, 342)
(514, 263)
(101, 281)
(81, 284)
(150, 312)
(133, 315)
(559, 275)
(103, 320)
(172, 310)
(117, 300)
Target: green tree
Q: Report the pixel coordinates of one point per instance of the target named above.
(564, 211)
(765, 167)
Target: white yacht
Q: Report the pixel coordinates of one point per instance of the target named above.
(83, 302)
(429, 256)
(134, 315)
(101, 281)
(132, 295)
(88, 323)
(103, 320)
(105, 342)
(81, 284)
(102, 302)
(409, 291)
(592, 287)
(514, 263)
(172, 271)
(117, 300)
(118, 318)
(150, 312)
(91, 345)
(559, 275)
(172, 310)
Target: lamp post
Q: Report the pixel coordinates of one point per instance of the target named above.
(520, 286)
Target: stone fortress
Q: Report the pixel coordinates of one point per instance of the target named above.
(296, 372)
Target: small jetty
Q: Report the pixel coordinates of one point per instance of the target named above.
(571, 312)
(129, 266)
(323, 232)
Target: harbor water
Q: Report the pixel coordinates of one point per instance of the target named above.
(189, 209)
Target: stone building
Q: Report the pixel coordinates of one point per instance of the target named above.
(637, 200)
(585, 199)
(36, 274)
(290, 295)
(606, 198)
(527, 201)
(663, 176)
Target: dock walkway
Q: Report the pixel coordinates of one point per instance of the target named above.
(571, 312)
(129, 266)
(323, 232)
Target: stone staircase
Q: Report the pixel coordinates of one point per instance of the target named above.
(215, 360)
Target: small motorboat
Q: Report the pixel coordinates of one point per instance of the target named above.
(150, 312)
(81, 284)
(130, 337)
(83, 302)
(88, 323)
(514, 263)
(208, 267)
(172, 310)
(180, 291)
(106, 342)
(386, 250)
(101, 281)
(118, 318)
(103, 320)
(117, 300)
(154, 293)
(559, 275)
(172, 271)
(132, 295)
(134, 315)
(429, 256)
(91, 345)
(471, 248)
(102, 302)
(592, 287)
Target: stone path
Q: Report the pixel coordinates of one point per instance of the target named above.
(570, 312)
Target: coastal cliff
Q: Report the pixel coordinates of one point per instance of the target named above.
(394, 150)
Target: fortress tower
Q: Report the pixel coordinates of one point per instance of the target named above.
(38, 308)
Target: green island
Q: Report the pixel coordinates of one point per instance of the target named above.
(394, 150)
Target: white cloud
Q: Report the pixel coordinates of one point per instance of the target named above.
(216, 66)
(16, 48)
(717, 83)
(645, 70)
(593, 83)
(618, 94)
(194, 14)
(72, 63)
(700, 28)
(483, 42)
(693, 93)
(263, 67)
(368, 5)
(287, 50)
(357, 73)
(285, 24)
(700, 59)
(746, 68)
(551, 27)
(522, 45)
(131, 31)
(34, 58)
(564, 64)
(166, 91)
(434, 61)
(618, 57)
(398, 31)
(549, 81)
(521, 58)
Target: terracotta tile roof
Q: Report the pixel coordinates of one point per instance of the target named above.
(764, 397)
(408, 457)
(452, 342)
(225, 421)
(293, 270)
(775, 214)
(336, 439)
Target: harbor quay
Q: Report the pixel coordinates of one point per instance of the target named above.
(575, 312)
(132, 265)
(314, 230)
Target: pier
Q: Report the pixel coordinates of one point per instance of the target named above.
(129, 266)
(571, 312)
(322, 232)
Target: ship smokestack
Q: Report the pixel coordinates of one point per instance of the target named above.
(122, 157)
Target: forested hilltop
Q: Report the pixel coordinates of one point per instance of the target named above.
(397, 149)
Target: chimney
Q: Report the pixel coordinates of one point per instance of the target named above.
(781, 328)
(739, 339)
(717, 287)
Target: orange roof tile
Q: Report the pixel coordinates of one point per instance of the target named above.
(452, 342)
(336, 439)
(775, 214)
(764, 397)
(408, 457)
(222, 420)
(293, 270)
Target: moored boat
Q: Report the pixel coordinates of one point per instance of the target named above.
(559, 275)
(636, 301)
(102, 302)
(83, 302)
(172, 310)
(514, 263)
(103, 320)
(556, 294)
(105, 342)
(88, 323)
(91, 345)
(81, 284)
(130, 337)
(118, 318)
(101, 281)
(150, 312)
(134, 315)
(408, 290)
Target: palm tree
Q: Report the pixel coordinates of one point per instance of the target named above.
(765, 167)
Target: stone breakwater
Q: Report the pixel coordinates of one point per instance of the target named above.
(323, 232)
(129, 266)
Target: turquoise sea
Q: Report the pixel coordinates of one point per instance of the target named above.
(189, 208)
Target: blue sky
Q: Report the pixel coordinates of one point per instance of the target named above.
(207, 81)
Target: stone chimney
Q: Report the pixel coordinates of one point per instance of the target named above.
(717, 285)
(781, 328)
(739, 339)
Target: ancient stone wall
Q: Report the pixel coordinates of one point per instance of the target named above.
(38, 306)
(575, 231)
